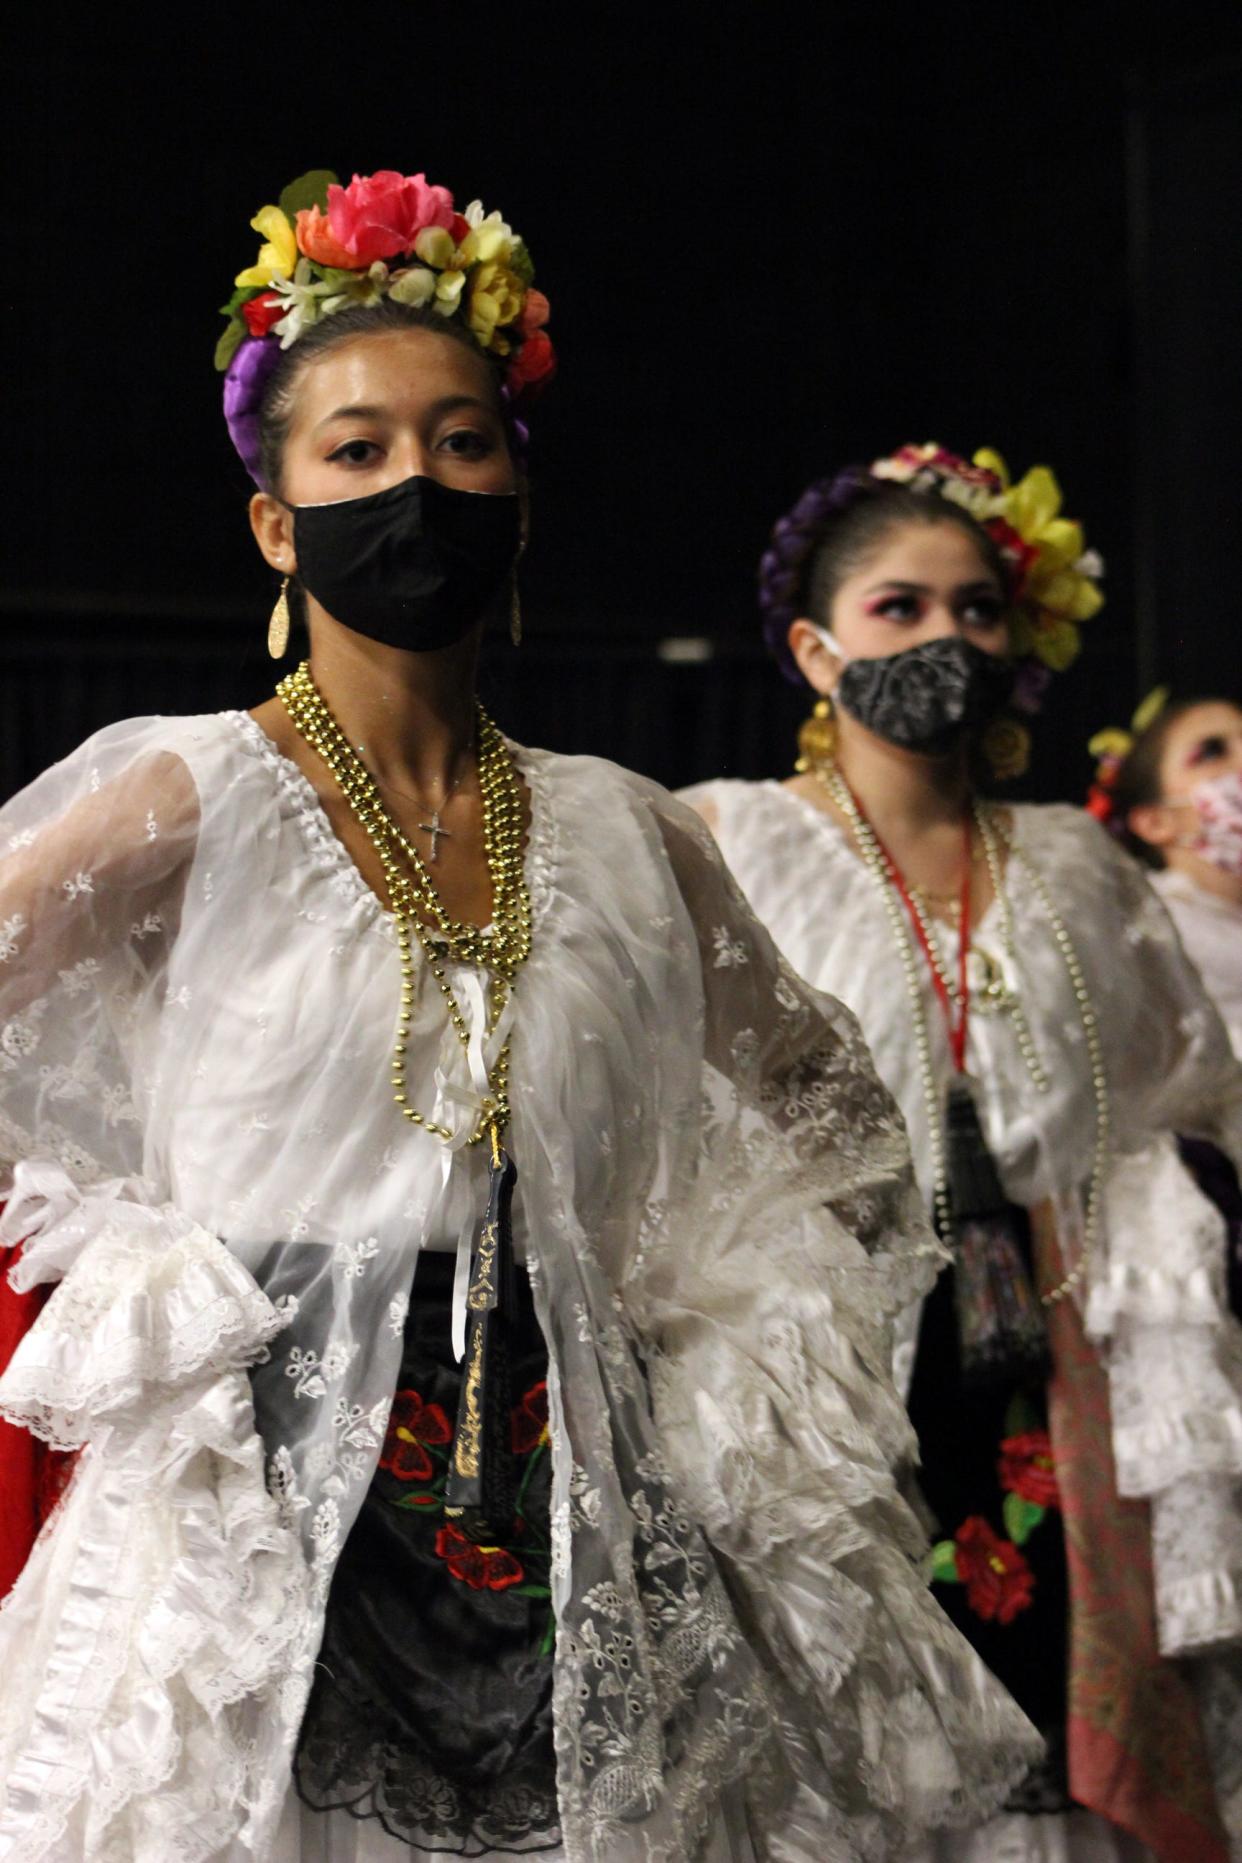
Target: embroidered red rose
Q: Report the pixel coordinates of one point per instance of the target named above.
(528, 1421)
(262, 312)
(488, 1568)
(412, 1423)
(997, 1578)
(1026, 1468)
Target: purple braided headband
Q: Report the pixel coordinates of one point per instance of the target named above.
(782, 568)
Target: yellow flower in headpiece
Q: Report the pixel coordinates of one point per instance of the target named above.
(496, 299)
(280, 254)
(1059, 589)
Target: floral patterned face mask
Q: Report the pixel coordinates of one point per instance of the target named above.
(925, 698)
(1218, 804)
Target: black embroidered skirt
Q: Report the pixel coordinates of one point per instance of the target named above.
(432, 1703)
(1000, 1567)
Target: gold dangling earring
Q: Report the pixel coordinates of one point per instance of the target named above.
(515, 612)
(817, 738)
(278, 626)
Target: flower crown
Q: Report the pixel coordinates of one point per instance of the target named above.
(1053, 580)
(1110, 748)
(384, 236)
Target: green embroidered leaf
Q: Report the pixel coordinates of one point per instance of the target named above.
(1021, 1415)
(529, 1591)
(1021, 1518)
(549, 1636)
(419, 1500)
(309, 190)
(230, 342)
(944, 1563)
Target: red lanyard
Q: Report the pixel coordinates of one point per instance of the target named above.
(955, 1026)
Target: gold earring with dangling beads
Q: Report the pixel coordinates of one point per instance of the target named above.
(817, 738)
(278, 626)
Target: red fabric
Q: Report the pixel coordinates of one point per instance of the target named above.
(32, 1476)
(1137, 1754)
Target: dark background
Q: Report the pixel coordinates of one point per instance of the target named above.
(775, 238)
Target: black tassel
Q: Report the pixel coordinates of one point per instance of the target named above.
(480, 1492)
(1000, 1322)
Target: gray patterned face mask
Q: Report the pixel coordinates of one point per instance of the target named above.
(926, 698)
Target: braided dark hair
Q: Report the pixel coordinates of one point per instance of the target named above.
(834, 526)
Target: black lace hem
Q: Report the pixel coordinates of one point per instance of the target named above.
(420, 1806)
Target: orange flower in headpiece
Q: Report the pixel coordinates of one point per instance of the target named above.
(316, 241)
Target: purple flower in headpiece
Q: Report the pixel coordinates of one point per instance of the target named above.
(245, 383)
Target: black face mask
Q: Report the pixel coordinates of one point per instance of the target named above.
(415, 566)
(926, 698)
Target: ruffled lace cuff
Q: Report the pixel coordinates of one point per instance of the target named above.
(157, 1645)
(1197, 1556)
(785, 1434)
(149, 1301)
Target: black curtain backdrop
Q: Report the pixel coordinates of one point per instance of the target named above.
(775, 238)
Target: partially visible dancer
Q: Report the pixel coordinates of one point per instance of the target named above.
(473, 1250)
(1170, 789)
(1074, 1377)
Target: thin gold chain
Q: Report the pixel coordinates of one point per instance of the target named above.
(417, 908)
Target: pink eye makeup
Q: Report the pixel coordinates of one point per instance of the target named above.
(1208, 749)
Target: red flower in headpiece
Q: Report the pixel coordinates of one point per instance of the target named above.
(488, 1568)
(412, 1423)
(1026, 1468)
(378, 216)
(533, 366)
(262, 312)
(528, 1421)
(1016, 553)
(997, 1578)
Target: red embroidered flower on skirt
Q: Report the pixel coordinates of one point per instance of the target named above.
(480, 1567)
(1026, 1468)
(997, 1578)
(411, 1424)
(528, 1421)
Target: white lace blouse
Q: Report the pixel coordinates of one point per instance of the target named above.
(1156, 1301)
(197, 1002)
(1211, 930)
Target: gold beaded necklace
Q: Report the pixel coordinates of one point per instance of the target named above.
(417, 908)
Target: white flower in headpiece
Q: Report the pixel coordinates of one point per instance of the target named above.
(476, 218)
(309, 299)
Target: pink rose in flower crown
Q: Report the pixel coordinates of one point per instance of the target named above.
(378, 216)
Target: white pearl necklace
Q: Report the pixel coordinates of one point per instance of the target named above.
(874, 860)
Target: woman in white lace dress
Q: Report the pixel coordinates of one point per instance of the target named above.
(1170, 789)
(1075, 1378)
(1173, 792)
(263, 1084)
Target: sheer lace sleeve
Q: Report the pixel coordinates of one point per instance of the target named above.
(769, 1315)
(94, 858)
(157, 1619)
